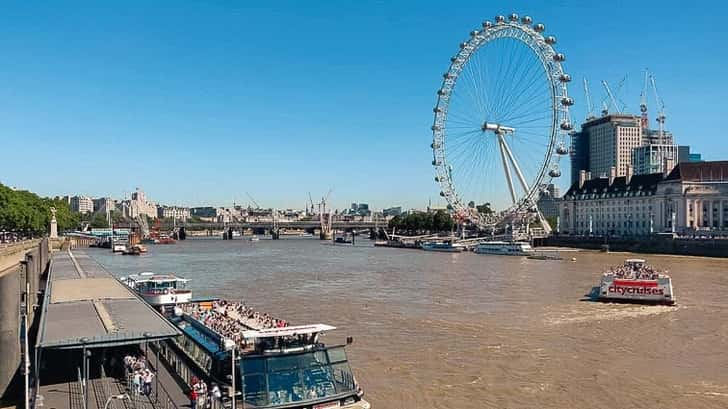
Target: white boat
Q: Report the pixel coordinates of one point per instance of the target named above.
(254, 238)
(159, 289)
(118, 246)
(505, 248)
(444, 246)
(636, 282)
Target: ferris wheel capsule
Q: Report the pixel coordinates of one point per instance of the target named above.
(539, 28)
(550, 40)
(567, 101)
(513, 17)
(554, 173)
(487, 24)
(566, 125)
(500, 19)
(527, 20)
(565, 77)
(474, 33)
(435, 128)
(558, 57)
(561, 149)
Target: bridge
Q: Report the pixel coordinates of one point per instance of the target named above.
(308, 225)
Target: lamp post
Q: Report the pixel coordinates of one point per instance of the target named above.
(84, 365)
(112, 397)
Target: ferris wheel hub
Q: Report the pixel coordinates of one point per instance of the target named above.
(498, 129)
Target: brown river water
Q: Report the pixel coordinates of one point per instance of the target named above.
(440, 330)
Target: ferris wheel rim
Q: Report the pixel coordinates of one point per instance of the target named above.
(542, 47)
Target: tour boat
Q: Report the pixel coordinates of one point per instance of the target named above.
(159, 289)
(636, 282)
(446, 246)
(284, 367)
(504, 248)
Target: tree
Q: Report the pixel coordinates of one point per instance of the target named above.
(485, 208)
(98, 221)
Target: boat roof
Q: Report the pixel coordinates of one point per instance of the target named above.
(287, 331)
(157, 278)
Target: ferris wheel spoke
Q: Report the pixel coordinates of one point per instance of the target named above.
(528, 90)
(519, 74)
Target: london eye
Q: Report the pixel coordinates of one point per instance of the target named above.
(501, 122)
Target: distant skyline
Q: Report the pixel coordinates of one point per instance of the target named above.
(199, 103)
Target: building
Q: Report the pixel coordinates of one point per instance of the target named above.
(207, 211)
(392, 211)
(548, 199)
(611, 141)
(103, 205)
(691, 197)
(654, 158)
(139, 205)
(173, 212)
(359, 209)
(579, 154)
(82, 204)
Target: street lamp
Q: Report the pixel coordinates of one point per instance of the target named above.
(119, 397)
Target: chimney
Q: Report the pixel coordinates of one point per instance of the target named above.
(628, 174)
(582, 178)
(612, 175)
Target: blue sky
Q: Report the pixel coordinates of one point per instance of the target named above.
(200, 102)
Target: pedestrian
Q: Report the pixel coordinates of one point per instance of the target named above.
(148, 375)
(137, 381)
(193, 398)
(215, 396)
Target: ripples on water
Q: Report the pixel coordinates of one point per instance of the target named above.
(439, 330)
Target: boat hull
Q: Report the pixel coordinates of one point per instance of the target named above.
(657, 291)
(171, 298)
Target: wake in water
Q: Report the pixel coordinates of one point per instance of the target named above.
(601, 312)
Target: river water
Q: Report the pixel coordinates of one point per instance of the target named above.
(440, 330)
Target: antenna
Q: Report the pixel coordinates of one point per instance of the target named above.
(611, 96)
(643, 103)
(589, 106)
(661, 112)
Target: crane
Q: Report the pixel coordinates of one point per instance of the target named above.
(589, 106)
(611, 96)
(257, 206)
(661, 112)
(643, 103)
(310, 199)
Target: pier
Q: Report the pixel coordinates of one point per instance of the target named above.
(89, 322)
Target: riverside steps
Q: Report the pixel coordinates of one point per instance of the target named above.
(89, 322)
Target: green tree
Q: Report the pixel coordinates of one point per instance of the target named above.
(98, 221)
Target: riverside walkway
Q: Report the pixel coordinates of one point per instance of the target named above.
(89, 322)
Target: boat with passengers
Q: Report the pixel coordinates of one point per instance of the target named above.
(636, 282)
(159, 290)
(276, 365)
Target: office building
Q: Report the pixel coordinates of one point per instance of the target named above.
(81, 204)
(654, 158)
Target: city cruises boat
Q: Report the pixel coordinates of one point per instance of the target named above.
(283, 367)
(159, 289)
(636, 282)
(504, 248)
(445, 246)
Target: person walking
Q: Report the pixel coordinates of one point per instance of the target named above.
(193, 398)
(215, 396)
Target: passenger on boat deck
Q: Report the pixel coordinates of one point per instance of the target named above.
(643, 273)
(231, 319)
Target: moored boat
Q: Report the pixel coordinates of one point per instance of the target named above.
(277, 366)
(444, 246)
(159, 289)
(505, 248)
(636, 282)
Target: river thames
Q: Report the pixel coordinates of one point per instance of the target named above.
(441, 330)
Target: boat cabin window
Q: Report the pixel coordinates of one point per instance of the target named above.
(309, 376)
(157, 286)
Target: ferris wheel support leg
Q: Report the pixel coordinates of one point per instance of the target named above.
(506, 168)
(521, 179)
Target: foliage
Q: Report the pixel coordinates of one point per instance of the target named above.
(21, 210)
(418, 222)
(98, 220)
(484, 208)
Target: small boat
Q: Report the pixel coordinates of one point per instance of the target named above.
(504, 248)
(254, 238)
(445, 246)
(159, 289)
(118, 247)
(636, 282)
(542, 256)
(342, 240)
(166, 240)
(140, 248)
(131, 251)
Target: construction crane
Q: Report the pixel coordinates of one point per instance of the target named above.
(589, 106)
(257, 206)
(310, 199)
(611, 98)
(643, 103)
(661, 112)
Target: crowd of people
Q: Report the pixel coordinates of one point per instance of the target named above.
(643, 272)
(230, 319)
(139, 377)
(202, 397)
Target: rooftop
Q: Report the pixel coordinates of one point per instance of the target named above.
(86, 305)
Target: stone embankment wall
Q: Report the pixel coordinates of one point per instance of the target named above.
(20, 263)
(656, 245)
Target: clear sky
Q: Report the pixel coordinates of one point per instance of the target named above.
(199, 102)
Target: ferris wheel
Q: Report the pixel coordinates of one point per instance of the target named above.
(501, 122)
